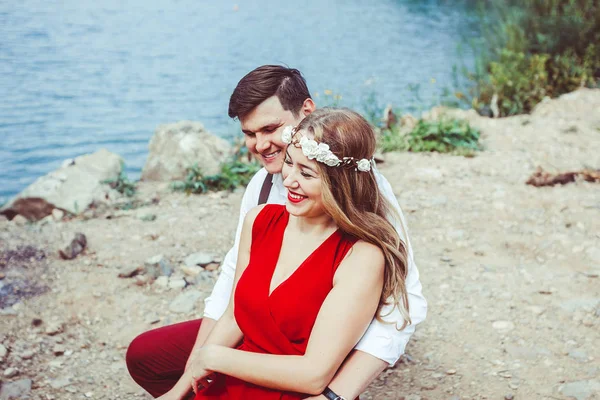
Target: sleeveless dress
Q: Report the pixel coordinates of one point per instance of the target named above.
(279, 323)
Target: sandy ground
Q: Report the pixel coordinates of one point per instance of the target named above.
(510, 272)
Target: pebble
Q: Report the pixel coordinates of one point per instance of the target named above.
(185, 302)
(27, 354)
(10, 372)
(158, 266)
(503, 326)
(54, 328)
(130, 271)
(58, 350)
(509, 396)
(194, 270)
(16, 390)
(198, 258)
(177, 283)
(3, 352)
(581, 390)
(162, 281)
(451, 372)
(428, 386)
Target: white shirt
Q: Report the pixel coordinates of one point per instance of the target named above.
(382, 340)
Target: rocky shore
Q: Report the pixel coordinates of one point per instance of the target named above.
(511, 271)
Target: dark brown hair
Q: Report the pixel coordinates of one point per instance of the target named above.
(287, 84)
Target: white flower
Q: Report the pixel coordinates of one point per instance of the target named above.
(364, 165)
(322, 152)
(332, 160)
(286, 135)
(310, 148)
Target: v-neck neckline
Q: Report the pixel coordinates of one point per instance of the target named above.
(287, 220)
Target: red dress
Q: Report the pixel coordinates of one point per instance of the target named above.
(279, 323)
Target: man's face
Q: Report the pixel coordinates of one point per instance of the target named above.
(262, 130)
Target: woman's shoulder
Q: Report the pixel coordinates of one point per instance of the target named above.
(365, 255)
(263, 214)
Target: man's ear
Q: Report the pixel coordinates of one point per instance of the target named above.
(308, 106)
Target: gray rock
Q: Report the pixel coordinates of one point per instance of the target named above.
(177, 283)
(581, 390)
(579, 355)
(175, 147)
(11, 372)
(71, 188)
(185, 302)
(199, 258)
(74, 248)
(503, 326)
(16, 390)
(157, 266)
(130, 271)
(60, 382)
(3, 352)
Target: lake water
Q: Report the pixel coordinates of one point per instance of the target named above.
(78, 75)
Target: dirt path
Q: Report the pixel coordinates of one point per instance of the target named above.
(510, 272)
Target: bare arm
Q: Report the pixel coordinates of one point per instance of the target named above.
(350, 304)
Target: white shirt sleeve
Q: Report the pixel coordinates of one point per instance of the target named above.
(384, 340)
(216, 304)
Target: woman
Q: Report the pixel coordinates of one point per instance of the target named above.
(310, 274)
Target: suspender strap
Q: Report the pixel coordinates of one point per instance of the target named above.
(266, 189)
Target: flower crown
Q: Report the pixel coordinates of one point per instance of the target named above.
(320, 151)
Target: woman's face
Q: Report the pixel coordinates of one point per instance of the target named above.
(302, 179)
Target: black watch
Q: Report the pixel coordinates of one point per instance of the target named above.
(331, 395)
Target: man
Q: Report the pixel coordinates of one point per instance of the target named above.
(265, 101)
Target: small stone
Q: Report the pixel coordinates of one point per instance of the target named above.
(581, 390)
(147, 217)
(504, 326)
(58, 214)
(3, 352)
(54, 328)
(451, 372)
(20, 220)
(199, 258)
(428, 386)
(60, 382)
(191, 271)
(141, 280)
(162, 281)
(37, 322)
(130, 271)
(158, 266)
(514, 384)
(212, 266)
(152, 319)
(509, 396)
(16, 390)
(27, 354)
(578, 355)
(89, 394)
(177, 283)
(2, 275)
(10, 372)
(185, 302)
(73, 249)
(58, 350)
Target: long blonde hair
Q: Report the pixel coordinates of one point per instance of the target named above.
(353, 199)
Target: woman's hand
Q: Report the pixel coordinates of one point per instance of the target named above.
(199, 370)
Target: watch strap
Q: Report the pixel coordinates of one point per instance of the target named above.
(331, 395)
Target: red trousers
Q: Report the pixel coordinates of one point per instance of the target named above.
(156, 359)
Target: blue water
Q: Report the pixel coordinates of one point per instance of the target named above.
(78, 75)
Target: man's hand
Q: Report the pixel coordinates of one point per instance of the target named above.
(201, 375)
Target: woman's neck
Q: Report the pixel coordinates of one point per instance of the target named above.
(312, 225)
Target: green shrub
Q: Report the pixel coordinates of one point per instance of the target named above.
(532, 49)
(121, 183)
(443, 136)
(233, 174)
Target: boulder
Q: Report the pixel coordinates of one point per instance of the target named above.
(175, 147)
(71, 188)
